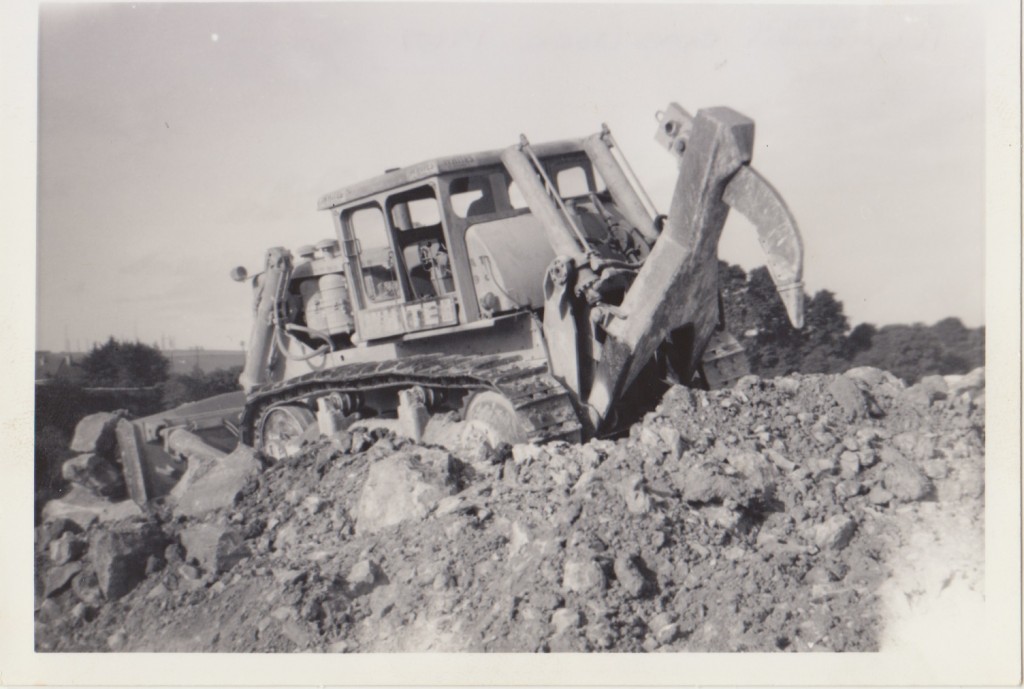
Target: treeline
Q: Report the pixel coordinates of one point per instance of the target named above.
(827, 344)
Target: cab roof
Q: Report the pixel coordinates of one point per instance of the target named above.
(431, 168)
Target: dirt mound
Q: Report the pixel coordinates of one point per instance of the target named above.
(766, 517)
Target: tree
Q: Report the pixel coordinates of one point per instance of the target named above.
(907, 351)
(754, 312)
(860, 339)
(825, 345)
(124, 364)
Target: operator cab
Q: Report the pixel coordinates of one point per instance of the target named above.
(452, 241)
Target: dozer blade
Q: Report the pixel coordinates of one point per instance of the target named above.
(750, 194)
(151, 448)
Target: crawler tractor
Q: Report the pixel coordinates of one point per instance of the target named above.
(522, 294)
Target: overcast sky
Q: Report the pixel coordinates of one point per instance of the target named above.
(178, 141)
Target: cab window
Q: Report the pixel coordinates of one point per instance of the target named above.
(471, 196)
(416, 214)
(380, 281)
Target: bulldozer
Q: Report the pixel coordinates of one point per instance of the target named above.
(524, 294)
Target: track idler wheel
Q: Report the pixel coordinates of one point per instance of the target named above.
(280, 430)
(490, 416)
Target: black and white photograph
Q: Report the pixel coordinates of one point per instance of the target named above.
(378, 342)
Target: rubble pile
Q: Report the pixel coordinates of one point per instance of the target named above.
(766, 517)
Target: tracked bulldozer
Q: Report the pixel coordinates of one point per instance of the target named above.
(524, 294)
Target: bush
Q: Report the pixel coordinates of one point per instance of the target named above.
(125, 365)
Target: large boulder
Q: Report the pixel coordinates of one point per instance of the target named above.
(584, 575)
(903, 478)
(83, 507)
(972, 384)
(402, 487)
(855, 402)
(96, 473)
(210, 484)
(119, 557)
(216, 548)
(95, 433)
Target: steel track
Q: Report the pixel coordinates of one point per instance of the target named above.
(542, 404)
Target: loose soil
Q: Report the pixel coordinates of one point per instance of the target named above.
(803, 513)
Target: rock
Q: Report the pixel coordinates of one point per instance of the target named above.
(399, 488)
(154, 564)
(722, 516)
(212, 485)
(216, 548)
(312, 504)
(57, 578)
(904, 479)
(584, 576)
(518, 538)
(869, 377)
(341, 441)
(590, 458)
(361, 441)
(918, 446)
(119, 557)
(972, 384)
(849, 464)
(67, 548)
(835, 533)
(288, 576)
(780, 460)
(363, 577)
(96, 473)
(79, 613)
(935, 469)
(972, 482)
(565, 619)
(637, 499)
(83, 507)
(650, 438)
(849, 488)
(879, 496)
(87, 588)
(935, 385)
(452, 504)
(759, 474)
(49, 611)
(174, 553)
(49, 531)
(116, 641)
(526, 453)
(95, 433)
(629, 576)
(702, 483)
(673, 440)
(664, 628)
(848, 396)
(383, 599)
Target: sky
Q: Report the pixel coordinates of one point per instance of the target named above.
(176, 141)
